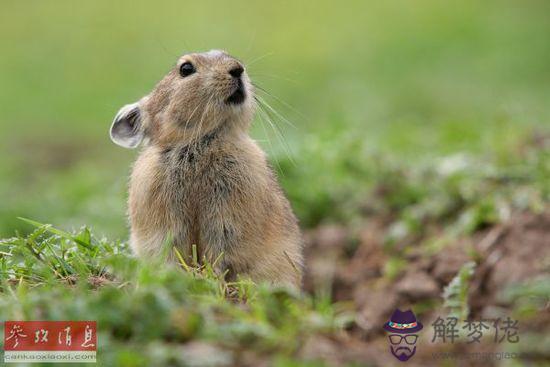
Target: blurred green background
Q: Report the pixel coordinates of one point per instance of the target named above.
(407, 81)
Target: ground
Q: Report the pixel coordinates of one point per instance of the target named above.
(506, 255)
(465, 259)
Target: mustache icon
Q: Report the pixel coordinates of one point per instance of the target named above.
(405, 350)
(402, 353)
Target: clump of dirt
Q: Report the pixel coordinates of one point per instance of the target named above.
(512, 254)
(353, 264)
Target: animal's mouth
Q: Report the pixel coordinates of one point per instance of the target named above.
(238, 96)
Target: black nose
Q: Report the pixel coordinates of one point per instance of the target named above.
(236, 71)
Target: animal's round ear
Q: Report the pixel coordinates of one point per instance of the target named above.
(127, 130)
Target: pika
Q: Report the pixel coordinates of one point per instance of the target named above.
(200, 179)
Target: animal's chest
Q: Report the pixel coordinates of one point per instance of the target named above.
(197, 179)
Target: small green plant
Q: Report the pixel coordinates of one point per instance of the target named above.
(143, 306)
(455, 295)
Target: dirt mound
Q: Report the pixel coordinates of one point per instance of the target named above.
(355, 266)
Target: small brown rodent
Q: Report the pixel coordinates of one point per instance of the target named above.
(200, 179)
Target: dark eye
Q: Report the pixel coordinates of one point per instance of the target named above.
(186, 69)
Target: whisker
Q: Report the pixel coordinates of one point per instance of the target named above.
(269, 142)
(279, 100)
(186, 123)
(252, 40)
(196, 135)
(259, 58)
(254, 74)
(278, 133)
(276, 113)
(267, 112)
(206, 109)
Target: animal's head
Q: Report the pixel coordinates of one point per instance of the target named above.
(200, 93)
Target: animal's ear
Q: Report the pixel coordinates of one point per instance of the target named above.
(127, 130)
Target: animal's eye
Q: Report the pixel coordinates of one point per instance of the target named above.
(186, 69)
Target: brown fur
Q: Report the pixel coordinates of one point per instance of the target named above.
(200, 179)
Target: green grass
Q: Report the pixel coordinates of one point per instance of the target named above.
(147, 310)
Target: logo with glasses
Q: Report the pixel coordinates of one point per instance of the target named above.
(403, 328)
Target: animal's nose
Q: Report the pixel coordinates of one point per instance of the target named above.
(236, 71)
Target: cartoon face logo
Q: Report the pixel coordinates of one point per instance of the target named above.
(402, 329)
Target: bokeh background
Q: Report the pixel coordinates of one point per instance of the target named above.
(411, 80)
(411, 137)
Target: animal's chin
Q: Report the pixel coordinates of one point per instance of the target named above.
(238, 96)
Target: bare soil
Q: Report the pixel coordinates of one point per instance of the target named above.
(351, 263)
